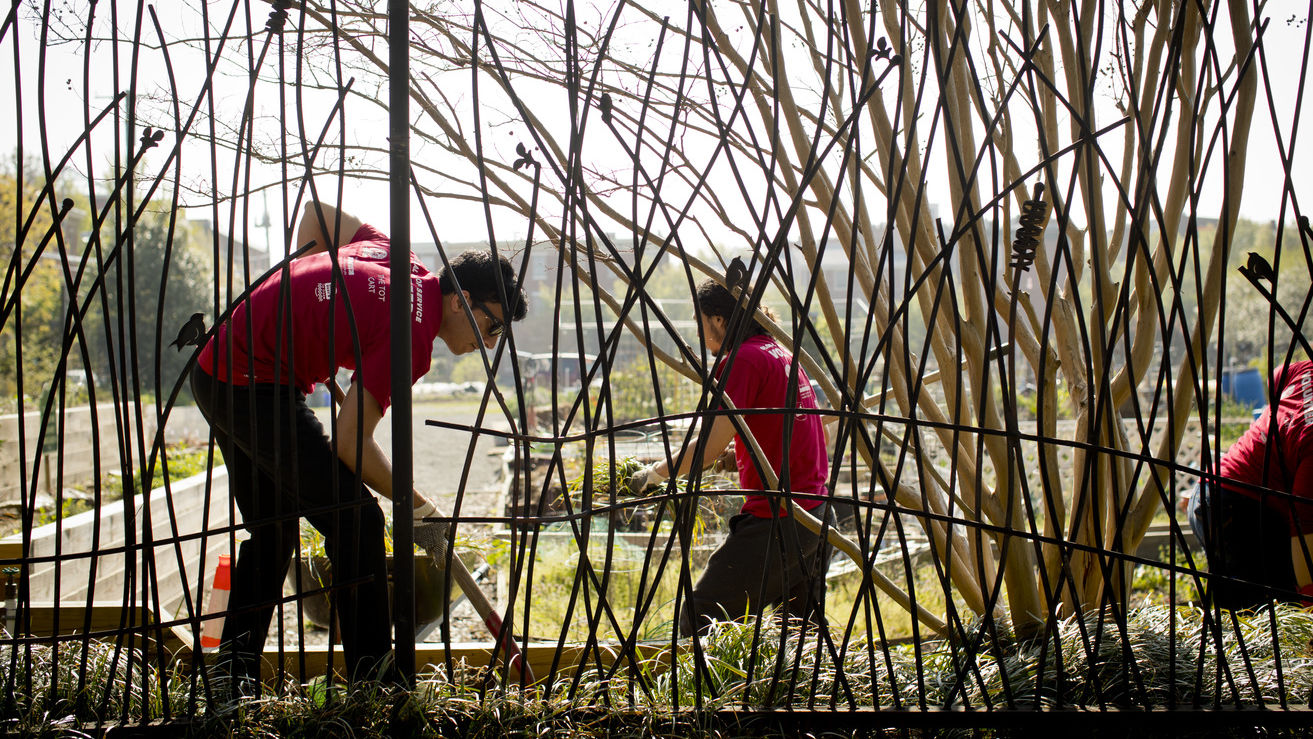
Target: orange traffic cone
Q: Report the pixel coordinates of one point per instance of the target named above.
(213, 628)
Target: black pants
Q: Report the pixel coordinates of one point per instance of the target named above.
(281, 468)
(761, 564)
(1246, 541)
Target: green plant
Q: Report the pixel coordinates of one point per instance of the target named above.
(88, 682)
(69, 507)
(1160, 654)
(634, 391)
(312, 541)
(1027, 401)
(604, 477)
(850, 601)
(1153, 585)
(712, 508)
(469, 369)
(567, 582)
(183, 461)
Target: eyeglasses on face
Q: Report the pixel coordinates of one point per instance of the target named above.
(495, 325)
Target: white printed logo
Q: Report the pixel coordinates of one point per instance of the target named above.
(324, 291)
(805, 393)
(1306, 390)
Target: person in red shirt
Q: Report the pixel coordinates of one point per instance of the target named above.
(1255, 520)
(324, 310)
(768, 559)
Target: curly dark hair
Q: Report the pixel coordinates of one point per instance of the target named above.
(476, 272)
(715, 300)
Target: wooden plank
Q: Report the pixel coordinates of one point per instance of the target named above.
(429, 657)
(1159, 537)
(45, 620)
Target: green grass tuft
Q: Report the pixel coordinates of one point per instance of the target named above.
(1160, 657)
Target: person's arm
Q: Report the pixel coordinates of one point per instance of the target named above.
(356, 421)
(1301, 551)
(720, 435)
(1301, 547)
(316, 218)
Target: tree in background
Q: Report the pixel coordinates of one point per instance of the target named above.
(171, 281)
(59, 320)
(1250, 321)
(36, 295)
(807, 134)
(879, 166)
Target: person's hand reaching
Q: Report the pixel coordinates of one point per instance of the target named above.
(644, 479)
(431, 536)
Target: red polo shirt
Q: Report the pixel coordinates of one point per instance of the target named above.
(759, 378)
(295, 329)
(1277, 451)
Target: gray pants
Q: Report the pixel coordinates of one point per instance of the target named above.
(763, 563)
(1248, 549)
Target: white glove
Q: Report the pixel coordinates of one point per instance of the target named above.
(425, 510)
(645, 478)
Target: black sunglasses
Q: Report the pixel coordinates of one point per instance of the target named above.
(495, 324)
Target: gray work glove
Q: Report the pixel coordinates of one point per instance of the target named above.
(431, 536)
(644, 479)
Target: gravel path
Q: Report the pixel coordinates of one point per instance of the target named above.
(441, 453)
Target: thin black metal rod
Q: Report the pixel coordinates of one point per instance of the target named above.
(402, 449)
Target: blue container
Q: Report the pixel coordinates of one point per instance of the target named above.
(1246, 386)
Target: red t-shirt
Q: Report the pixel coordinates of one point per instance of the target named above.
(759, 378)
(1287, 466)
(311, 351)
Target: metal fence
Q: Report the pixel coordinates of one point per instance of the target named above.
(1034, 263)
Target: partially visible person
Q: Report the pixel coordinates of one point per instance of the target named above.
(768, 559)
(1256, 522)
(294, 331)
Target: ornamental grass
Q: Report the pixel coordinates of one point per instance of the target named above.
(1159, 657)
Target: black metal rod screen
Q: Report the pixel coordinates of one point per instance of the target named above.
(884, 365)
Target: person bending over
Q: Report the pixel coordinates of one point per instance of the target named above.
(324, 311)
(1256, 521)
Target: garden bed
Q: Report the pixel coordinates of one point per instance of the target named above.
(1167, 665)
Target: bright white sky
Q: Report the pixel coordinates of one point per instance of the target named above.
(63, 100)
